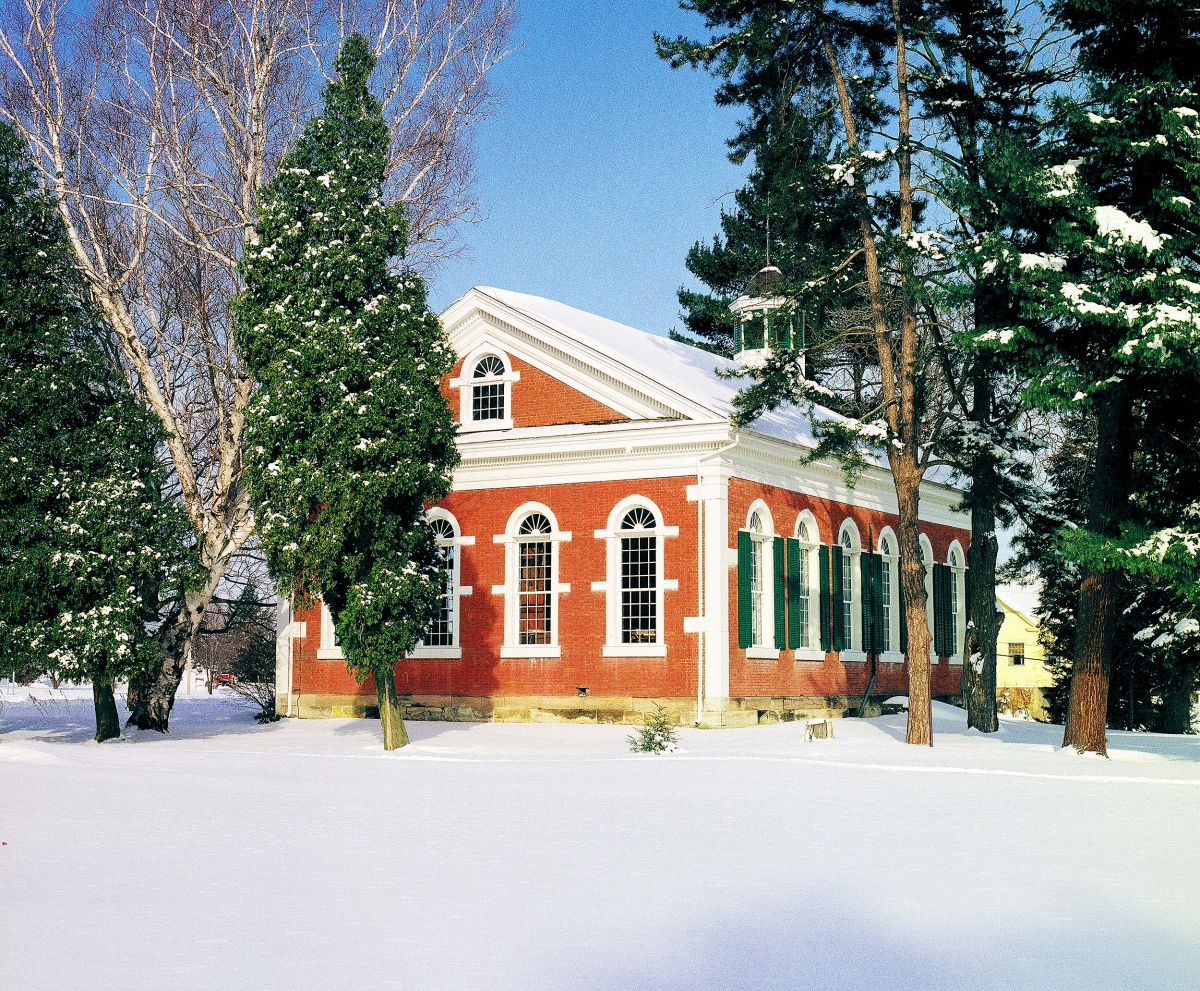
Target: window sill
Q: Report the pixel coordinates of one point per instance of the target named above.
(762, 653)
(445, 653)
(956, 659)
(853, 656)
(634, 650)
(531, 650)
(478, 426)
(330, 654)
(891, 657)
(809, 654)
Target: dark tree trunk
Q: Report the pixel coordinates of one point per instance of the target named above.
(983, 625)
(108, 723)
(1177, 707)
(1096, 617)
(395, 735)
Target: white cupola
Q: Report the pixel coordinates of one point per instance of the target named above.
(763, 321)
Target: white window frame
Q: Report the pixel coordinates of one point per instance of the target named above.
(328, 649)
(809, 551)
(762, 547)
(958, 568)
(854, 651)
(511, 590)
(465, 383)
(611, 586)
(458, 589)
(891, 561)
(927, 565)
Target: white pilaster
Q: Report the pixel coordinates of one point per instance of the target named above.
(714, 491)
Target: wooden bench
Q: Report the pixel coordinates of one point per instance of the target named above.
(818, 729)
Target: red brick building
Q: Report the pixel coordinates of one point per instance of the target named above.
(613, 541)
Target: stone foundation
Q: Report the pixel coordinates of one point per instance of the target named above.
(750, 711)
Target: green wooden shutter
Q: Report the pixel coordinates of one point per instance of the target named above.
(835, 589)
(866, 597)
(823, 603)
(745, 624)
(877, 631)
(793, 592)
(903, 613)
(939, 610)
(780, 595)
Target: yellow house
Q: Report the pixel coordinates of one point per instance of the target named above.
(1021, 673)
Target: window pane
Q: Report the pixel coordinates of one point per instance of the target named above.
(886, 587)
(639, 589)
(487, 401)
(489, 367)
(534, 592)
(756, 591)
(805, 597)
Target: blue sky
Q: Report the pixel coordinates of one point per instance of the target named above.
(600, 167)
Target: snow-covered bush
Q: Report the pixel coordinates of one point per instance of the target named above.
(657, 736)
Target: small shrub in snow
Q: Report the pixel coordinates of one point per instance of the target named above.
(657, 736)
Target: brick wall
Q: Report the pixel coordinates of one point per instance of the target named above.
(580, 509)
(787, 676)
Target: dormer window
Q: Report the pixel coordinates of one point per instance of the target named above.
(485, 385)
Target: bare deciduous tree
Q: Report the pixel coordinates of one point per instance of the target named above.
(154, 124)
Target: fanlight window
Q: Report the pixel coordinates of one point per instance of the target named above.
(441, 631)
(639, 577)
(535, 581)
(488, 400)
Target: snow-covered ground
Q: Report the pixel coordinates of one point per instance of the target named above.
(298, 855)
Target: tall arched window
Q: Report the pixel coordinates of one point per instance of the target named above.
(531, 588)
(807, 584)
(762, 605)
(443, 631)
(535, 583)
(635, 580)
(957, 611)
(442, 639)
(927, 563)
(758, 593)
(889, 581)
(850, 604)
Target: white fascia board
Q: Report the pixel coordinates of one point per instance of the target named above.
(476, 316)
(769, 461)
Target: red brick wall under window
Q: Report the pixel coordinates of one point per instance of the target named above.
(786, 676)
(540, 400)
(580, 509)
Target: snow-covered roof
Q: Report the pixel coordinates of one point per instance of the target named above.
(688, 371)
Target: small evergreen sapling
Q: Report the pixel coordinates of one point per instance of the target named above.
(657, 736)
(349, 437)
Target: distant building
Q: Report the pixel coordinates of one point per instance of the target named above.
(1022, 677)
(613, 542)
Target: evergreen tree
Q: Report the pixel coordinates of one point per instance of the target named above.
(91, 550)
(349, 437)
(1108, 286)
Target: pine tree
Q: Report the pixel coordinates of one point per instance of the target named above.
(92, 550)
(1107, 279)
(349, 437)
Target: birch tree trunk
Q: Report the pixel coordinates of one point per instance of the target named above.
(391, 715)
(154, 125)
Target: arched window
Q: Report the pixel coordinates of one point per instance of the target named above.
(442, 639)
(957, 611)
(488, 390)
(807, 582)
(850, 604)
(758, 595)
(485, 388)
(535, 582)
(927, 562)
(531, 588)
(634, 579)
(889, 581)
(443, 631)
